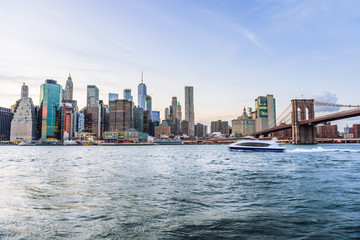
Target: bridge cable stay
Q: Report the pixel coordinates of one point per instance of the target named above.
(334, 104)
(285, 119)
(277, 119)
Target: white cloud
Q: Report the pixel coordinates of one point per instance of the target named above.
(326, 97)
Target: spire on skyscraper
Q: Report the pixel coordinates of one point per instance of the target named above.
(142, 76)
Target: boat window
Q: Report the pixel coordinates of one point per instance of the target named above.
(253, 144)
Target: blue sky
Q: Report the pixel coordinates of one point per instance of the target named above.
(230, 51)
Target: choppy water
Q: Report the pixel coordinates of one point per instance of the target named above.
(179, 192)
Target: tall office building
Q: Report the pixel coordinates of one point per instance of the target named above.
(121, 115)
(149, 105)
(127, 94)
(265, 112)
(155, 116)
(142, 93)
(23, 125)
(92, 96)
(174, 105)
(113, 97)
(189, 109)
(50, 104)
(68, 92)
(167, 113)
(5, 123)
(179, 113)
(138, 117)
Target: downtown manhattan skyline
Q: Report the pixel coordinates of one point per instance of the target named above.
(230, 51)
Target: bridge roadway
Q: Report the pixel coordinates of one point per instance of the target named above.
(314, 121)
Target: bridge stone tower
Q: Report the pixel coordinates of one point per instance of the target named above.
(303, 109)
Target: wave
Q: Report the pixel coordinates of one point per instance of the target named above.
(320, 149)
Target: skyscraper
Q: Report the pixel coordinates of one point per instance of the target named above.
(189, 109)
(113, 97)
(174, 105)
(265, 112)
(23, 125)
(179, 113)
(138, 116)
(92, 96)
(121, 115)
(5, 123)
(68, 93)
(50, 103)
(142, 93)
(149, 106)
(167, 112)
(155, 116)
(127, 94)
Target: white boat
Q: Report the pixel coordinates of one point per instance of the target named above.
(69, 143)
(253, 144)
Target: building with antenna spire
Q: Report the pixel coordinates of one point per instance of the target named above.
(68, 92)
(142, 93)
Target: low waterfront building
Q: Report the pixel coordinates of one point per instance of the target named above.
(185, 127)
(356, 130)
(200, 130)
(327, 131)
(162, 130)
(243, 125)
(131, 136)
(220, 126)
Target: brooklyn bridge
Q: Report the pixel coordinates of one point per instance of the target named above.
(301, 117)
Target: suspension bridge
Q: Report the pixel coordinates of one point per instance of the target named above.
(300, 117)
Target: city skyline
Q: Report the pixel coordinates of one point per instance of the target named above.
(235, 51)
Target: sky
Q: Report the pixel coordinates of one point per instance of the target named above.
(230, 51)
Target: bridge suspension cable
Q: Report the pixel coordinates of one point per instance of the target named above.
(277, 119)
(334, 105)
(285, 119)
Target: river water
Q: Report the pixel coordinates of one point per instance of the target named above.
(179, 192)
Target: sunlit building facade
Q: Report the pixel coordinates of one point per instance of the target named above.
(120, 116)
(50, 104)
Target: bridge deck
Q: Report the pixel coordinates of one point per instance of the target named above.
(314, 121)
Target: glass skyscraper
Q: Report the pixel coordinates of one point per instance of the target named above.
(142, 94)
(113, 97)
(50, 102)
(127, 95)
(5, 123)
(92, 96)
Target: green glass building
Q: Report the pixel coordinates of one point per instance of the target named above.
(50, 102)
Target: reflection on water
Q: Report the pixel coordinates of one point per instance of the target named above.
(179, 192)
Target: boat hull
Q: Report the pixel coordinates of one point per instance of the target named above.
(254, 149)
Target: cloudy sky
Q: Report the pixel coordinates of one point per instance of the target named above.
(230, 51)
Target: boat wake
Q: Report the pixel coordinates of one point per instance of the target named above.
(320, 149)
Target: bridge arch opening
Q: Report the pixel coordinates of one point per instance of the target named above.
(307, 116)
(298, 112)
